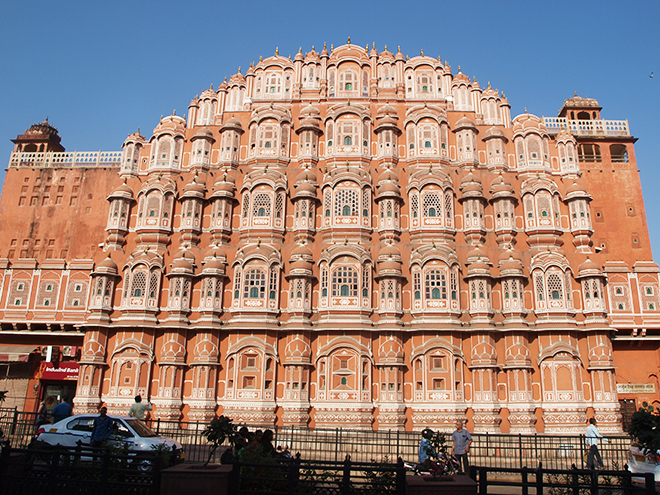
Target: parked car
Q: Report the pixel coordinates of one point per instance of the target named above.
(640, 463)
(128, 431)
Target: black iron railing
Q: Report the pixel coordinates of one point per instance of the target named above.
(575, 481)
(81, 470)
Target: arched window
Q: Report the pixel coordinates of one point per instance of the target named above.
(254, 285)
(345, 282)
(261, 206)
(348, 141)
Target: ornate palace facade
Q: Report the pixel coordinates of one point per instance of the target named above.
(349, 238)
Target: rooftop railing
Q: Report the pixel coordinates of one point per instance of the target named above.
(587, 127)
(66, 159)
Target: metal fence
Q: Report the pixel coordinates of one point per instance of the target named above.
(487, 450)
(77, 471)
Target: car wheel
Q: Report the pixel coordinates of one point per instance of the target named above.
(143, 466)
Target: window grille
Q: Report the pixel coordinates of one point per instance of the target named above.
(324, 282)
(345, 282)
(417, 285)
(432, 205)
(366, 278)
(237, 282)
(449, 208)
(254, 285)
(555, 288)
(138, 284)
(153, 285)
(346, 202)
(279, 205)
(435, 285)
(414, 205)
(366, 202)
(272, 287)
(538, 282)
(262, 205)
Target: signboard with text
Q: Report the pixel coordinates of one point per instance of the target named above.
(65, 371)
(635, 388)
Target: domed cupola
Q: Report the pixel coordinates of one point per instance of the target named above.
(389, 202)
(389, 280)
(120, 205)
(182, 271)
(473, 202)
(512, 278)
(503, 199)
(304, 204)
(167, 144)
(230, 139)
(103, 282)
(479, 280)
(591, 279)
(466, 142)
(222, 200)
(192, 202)
(131, 153)
(309, 131)
(496, 148)
(201, 149)
(577, 198)
(300, 277)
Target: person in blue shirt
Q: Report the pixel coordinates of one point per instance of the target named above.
(591, 438)
(426, 450)
(102, 429)
(62, 410)
(461, 439)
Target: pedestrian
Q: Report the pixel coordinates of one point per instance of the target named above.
(242, 438)
(139, 409)
(102, 429)
(461, 446)
(43, 416)
(426, 451)
(62, 410)
(591, 439)
(267, 443)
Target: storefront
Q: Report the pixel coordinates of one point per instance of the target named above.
(15, 373)
(58, 382)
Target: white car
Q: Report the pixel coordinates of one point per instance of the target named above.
(640, 463)
(76, 430)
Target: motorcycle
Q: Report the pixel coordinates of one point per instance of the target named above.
(447, 465)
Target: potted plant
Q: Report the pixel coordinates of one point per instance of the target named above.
(217, 432)
(645, 431)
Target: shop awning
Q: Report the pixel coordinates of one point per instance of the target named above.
(15, 353)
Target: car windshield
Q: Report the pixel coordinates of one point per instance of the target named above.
(140, 428)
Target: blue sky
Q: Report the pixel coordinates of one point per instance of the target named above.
(100, 70)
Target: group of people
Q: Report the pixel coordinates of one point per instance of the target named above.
(461, 440)
(259, 443)
(46, 411)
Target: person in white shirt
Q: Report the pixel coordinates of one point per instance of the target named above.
(139, 409)
(592, 437)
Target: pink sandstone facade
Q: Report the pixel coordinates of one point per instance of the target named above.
(349, 238)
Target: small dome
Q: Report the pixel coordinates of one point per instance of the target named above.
(575, 190)
(195, 187)
(232, 124)
(510, 263)
(460, 77)
(224, 185)
(386, 110)
(301, 250)
(171, 124)
(203, 133)
(465, 123)
(305, 184)
(494, 132)
(310, 110)
(589, 268)
(123, 191)
(501, 187)
(299, 56)
(471, 185)
(389, 251)
(107, 266)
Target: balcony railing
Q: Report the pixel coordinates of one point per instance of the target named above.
(587, 127)
(67, 159)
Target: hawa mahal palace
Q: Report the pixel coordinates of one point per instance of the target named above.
(347, 238)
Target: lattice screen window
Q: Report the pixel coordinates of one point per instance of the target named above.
(267, 136)
(285, 140)
(324, 282)
(544, 207)
(435, 285)
(424, 83)
(261, 206)
(454, 285)
(568, 285)
(153, 285)
(539, 286)
(327, 201)
(366, 279)
(273, 84)
(279, 205)
(449, 208)
(417, 285)
(346, 202)
(253, 137)
(138, 284)
(414, 205)
(329, 133)
(411, 137)
(428, 136)
(246, 204)
(175, 290)
(254, 285)
(347, 133)
(348, 81)
(555, 287)
(432, 205)
(534, 147)
(237, 282)
(345, 282)
(366, 202)
(272, 285)
(127, 284)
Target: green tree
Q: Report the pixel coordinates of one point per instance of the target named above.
(217, 432)
(645, 428)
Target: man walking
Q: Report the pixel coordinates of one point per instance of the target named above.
(591, 439)
(461, 439)
(138, 410)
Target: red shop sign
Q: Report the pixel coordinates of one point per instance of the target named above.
(65, 371)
